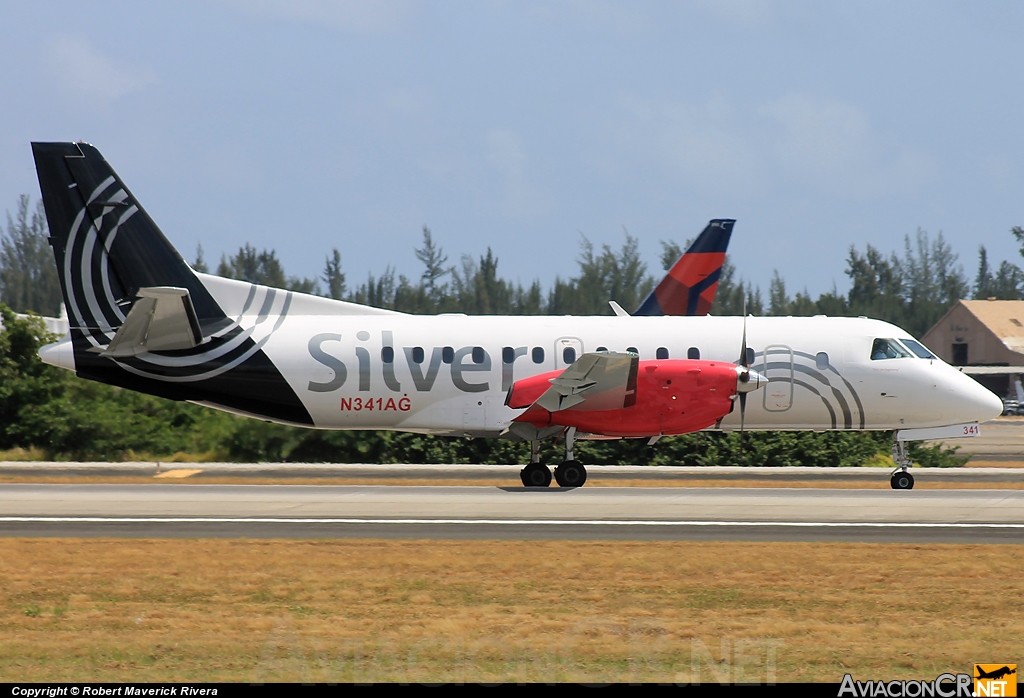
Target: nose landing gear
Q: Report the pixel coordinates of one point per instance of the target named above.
(901, 478)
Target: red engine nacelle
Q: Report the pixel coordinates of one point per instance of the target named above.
(672, 396)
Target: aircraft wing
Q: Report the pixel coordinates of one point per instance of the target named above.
(163, 319)
(598, 381)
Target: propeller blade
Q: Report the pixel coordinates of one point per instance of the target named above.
(745, 375)
(743, 345)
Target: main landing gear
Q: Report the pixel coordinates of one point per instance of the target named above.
(536, 474)
(901, 478)
(570, 473)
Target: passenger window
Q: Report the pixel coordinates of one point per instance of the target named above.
(693, 353)
(662, 353)
(387, 355)
(417, 355)
(538, 355)
(508, 355)
(569, 355)
(602, 348)
(887, 349)
(821, 360)
(478, 355)
(632, 350)
(918, 348)
(447, 355)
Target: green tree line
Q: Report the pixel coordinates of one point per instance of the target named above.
(912, 290)
(52, 412)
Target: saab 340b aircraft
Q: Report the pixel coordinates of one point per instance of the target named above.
(142, 319)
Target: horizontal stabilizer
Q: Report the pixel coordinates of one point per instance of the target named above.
(163, 319)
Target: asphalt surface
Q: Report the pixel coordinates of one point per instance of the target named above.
(497, 474)
(442, 512)
(1001, 441)
(439, 512)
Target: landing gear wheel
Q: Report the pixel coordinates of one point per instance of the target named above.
(535, 475)
(902, 480)
(571, 473)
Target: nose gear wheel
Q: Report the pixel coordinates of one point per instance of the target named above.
(902, 480)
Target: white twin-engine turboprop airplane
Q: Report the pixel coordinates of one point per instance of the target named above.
(142, 319)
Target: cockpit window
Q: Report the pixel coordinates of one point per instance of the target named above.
(917, 348)
(887, 349)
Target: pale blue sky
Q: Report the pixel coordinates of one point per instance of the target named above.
(303, 125)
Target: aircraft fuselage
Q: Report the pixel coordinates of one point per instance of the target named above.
(450, 374)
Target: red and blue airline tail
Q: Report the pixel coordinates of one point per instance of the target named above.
(690, 285)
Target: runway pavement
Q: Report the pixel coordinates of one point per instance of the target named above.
(496, 474)
(634, 513)
(612, 513)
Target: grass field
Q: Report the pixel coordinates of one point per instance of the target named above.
(368, 610)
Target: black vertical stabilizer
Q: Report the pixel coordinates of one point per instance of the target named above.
(105, 244)
(107, 248)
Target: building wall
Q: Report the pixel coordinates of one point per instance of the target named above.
(984, 347)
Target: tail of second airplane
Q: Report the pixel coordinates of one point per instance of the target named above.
(690, 285)
(141, 318)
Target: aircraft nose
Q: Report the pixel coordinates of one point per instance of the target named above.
(992, 405)
(978, 403)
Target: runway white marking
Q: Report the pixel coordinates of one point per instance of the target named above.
(501, 522)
